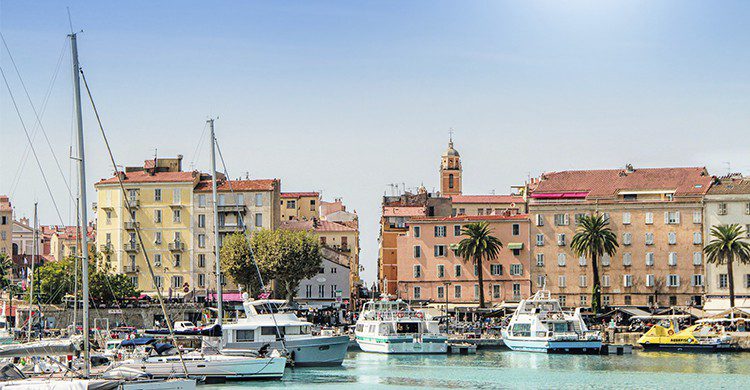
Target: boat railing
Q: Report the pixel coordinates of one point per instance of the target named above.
(392, 316)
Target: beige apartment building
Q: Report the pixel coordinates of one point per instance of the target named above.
(727, 202)
(299, 205)
(487, 204)
(657, 215)
(6, 225)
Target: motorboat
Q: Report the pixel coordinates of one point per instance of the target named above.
(392, 327)
(540, 325)
(267, 326)
(666, 335)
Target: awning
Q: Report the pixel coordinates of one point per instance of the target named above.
(226, 297)
(515, 245)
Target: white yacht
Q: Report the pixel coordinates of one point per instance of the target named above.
(540, 325)
(393, 327)
(259, 329)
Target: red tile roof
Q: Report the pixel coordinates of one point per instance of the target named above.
(299, 194)
(730, 186)
(238, 185)
(486, 199)
(473, 218)
(608, 182)
(322, 226)
(158, 177)
(415, 211)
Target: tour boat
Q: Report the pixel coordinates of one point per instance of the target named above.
(540, 325)
(667, 336)
(259, 329)
(392, 327)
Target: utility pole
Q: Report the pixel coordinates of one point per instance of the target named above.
(82, 206)
(219, 299)
(31, 276)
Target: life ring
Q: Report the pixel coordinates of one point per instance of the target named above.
(670, 332)
(400, 314)
(419, 314)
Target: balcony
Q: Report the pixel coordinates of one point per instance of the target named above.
(132, 225)
(341, 248)
(105, 247)
(231, 228)
(133, 203)
(131, 247)
(234, 208)
(176, 246)
(131, 269)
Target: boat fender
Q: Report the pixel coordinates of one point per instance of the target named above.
(400, 314)
(419, 314)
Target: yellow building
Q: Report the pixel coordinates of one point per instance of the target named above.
(6, 225)
(299, 205)
(159, 201)
(64, 242)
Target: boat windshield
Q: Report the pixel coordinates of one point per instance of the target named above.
(407, 327)
(268, 308)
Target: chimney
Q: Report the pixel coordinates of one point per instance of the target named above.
(179, 163)
(629, 168)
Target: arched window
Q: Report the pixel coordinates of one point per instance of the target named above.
(450, 181)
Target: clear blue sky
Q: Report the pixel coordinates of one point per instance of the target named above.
(345, 97)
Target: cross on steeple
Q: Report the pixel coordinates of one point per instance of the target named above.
(450, 134)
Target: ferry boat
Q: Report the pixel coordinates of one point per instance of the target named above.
(540, 325)
(667, 336)
(259, 329)
(392, 327)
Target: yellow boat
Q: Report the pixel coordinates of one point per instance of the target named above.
(700, 337)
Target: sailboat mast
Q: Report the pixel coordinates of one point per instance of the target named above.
(219, 299)
(82, 207)
(31, 277)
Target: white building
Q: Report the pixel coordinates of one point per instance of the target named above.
(329, 288)
(727, 202)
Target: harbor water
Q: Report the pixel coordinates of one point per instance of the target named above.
(507, 369)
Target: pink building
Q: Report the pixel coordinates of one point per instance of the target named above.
(428, 265)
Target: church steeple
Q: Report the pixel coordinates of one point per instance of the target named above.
(450, 170)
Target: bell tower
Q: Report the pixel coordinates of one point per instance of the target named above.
(450, 170)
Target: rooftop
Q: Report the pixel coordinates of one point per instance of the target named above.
(487, 199)
(238, 185)
(316, 226)
(156, 177)
(299, 194)
(730, 186)
(473, 218)
(404, 211)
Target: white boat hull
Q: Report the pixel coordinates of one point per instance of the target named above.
(403, 345)
(307, 352)
(226, 368)
(552, 346)
(171, 384)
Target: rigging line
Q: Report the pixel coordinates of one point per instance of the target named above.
(33, 108)
(193, 160)
(25, 155)
(250, 246)
(132, 218)
(25, 130)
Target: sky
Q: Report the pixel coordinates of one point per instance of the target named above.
(346, 97)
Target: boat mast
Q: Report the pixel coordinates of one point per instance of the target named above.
(31, 277)
(82, 206)
(219, 300)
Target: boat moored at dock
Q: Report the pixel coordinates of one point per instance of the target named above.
(703, 337)
(392, 327)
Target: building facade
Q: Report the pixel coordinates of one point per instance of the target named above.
(6, 226)
(450, 172)
(487, 204)
(299, 205)
(727, 202)
(330, 287)
(657, 217)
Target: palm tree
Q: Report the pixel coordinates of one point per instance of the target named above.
(594, 239)
(727, 246)
(478, 245)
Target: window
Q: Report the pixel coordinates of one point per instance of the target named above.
(201, 241)
(457, 270)
(201, 200)
(606, 300)
(672, 300)
(157, 260)
(456, 230)
(416, 231)
(582, 281)
(561, 259)
(177, 258)
(722, 209)
(176, 216)
(541, 281)
(417, 292)
(417, 251)
(516, 269)
(417, 271)
(439, 231)
(540, 259)
(627, 259)
(201, 280)
(476, 270)
(561, 239)
(496, 291)
(516, 229)
(440, 271)
(258, 220)
(723, 281)
(157, 238)
(440, 250)
(626, 218)
(577, 218)
(649, 238)
(516, 291)
(605, 260)
(747, 208)
(697, 258)
(563, 300)
(650, 259)
(747, 280)
(605, 281)
(157, 281)
(649, 218)
(334, 270)
(461, 211)
(539, 220)
(650, 280)
(480, 211)
(109, 216)
(605, 217)
(133, 195)
(201, 220)
(584, 300)
(450, 180)
(291, 204)
(457, 291)
(697, 280)
(582, 261)
(540, 240)
(176, 281)
(312, 204)
(258, 200)
(672, 238)
(697, 217)
(476, 291)
(697, 238)
(201, 260)
(673, 280)
(497, 269)
(672, 259)
(627, 238)
(561, 281)
(628, 300)
(562, 220)
(627, 280)
(157, 195)
(321, 291)
(441, 292)
(672, 217)
(176, 196)
(239, 199)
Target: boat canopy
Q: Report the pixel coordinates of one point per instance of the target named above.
(138, 341)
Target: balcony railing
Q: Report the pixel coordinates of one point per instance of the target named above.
(133, 203)
(177, 246)
(131, 247)
(231, 228)
(132, 225)
(130, 269)
(233, 208)
(106, 247)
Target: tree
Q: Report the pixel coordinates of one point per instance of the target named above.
(726, 247)
(288, 257)
(237, 262)
(478, 245)
(594, 239)
(6, 270)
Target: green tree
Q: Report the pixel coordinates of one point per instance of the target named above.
(594, 239)
(478, 245)
(237, 262)
(726, 247)
(6, 270)
(288, 257)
